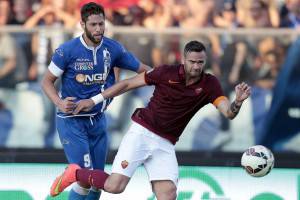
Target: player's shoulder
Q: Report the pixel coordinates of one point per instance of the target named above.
(69, 47)
(70, 44)
(165, 72)
(111, 42)
(168, 68)
(212, 79)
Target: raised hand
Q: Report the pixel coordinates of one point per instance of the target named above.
(242, 92)
(83, 105)
(67, 105)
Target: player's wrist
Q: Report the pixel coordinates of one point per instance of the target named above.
(58, 102)
(97, 99)
(238, 102)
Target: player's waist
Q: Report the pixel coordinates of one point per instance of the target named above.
(64, 115)
(157, 130)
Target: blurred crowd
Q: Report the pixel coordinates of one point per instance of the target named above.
(257, 59)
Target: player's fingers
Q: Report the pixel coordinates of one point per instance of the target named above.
(245, 87)
(68, 111)
(77, 110)
(70, 98)
(80, 107)
(70, 105)
(85, 109)
(248, 91)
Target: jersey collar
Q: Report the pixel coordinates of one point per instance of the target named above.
(89, 47)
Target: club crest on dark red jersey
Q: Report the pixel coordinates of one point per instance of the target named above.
(198, 90)
(124, 164)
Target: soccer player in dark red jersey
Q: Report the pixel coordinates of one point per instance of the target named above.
(180, 91)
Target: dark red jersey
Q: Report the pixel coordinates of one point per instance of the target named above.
(173, 104)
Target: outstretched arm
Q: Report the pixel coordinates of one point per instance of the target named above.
(242, 92)
(115, 90)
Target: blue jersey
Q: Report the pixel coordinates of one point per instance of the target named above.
(87, 71)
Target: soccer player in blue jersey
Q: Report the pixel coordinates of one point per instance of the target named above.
(86, 68)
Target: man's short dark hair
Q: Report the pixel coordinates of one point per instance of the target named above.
(194, 46)
(91, 9)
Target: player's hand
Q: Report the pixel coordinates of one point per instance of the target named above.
(242, 92)
(84, 105)
(67, 105)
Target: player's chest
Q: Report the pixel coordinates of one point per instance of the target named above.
(91, 67)
(92, 61)
(182, 94)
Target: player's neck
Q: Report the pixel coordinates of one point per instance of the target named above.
(191, 80)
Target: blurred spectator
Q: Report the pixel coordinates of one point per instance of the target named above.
(233, 63)
(179, 12)
(227, 18)
(267, 66)
(233, 60)
(7, 61)
(291, 19)
(8, 68)
(282, 121)
(51, 14)
(161, 17)
(197, 18)
(21, 11)
(8, 49)
(258, 13)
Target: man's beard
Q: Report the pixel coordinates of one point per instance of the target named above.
(91, 37)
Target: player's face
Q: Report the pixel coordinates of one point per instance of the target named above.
(194, 63)
(94, 28)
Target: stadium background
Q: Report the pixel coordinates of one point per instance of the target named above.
(254, 41)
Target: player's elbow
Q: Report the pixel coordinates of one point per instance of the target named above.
(43, 84)
(46, 81)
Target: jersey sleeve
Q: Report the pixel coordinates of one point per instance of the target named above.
(58, 62)
(153, 76)
(126, 60)
(216, 92)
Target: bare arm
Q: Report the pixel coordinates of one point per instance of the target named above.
(124, 86)
(35, 18)
(230, 110)
(49, 88)
(67, 105)
(68, 20)
(115, 90)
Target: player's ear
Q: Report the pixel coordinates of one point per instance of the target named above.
(82, 24)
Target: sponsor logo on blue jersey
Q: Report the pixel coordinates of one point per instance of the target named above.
(83, 66)
(89, 79)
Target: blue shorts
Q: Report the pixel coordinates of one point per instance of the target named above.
(84, 140)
